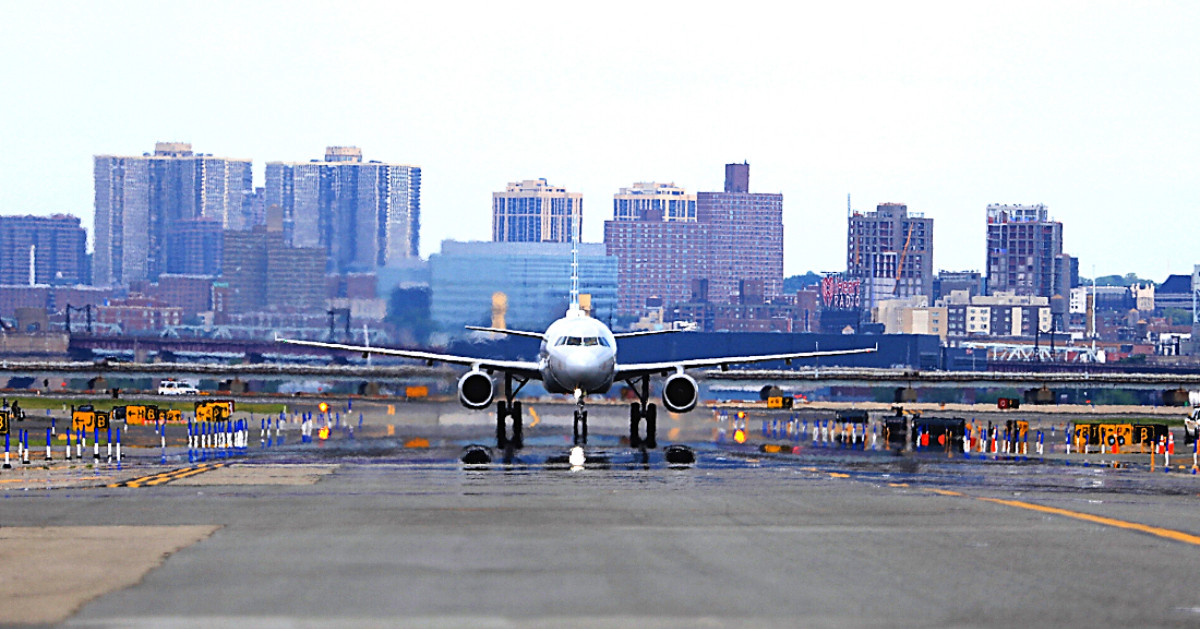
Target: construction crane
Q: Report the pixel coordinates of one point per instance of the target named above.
(900, 263)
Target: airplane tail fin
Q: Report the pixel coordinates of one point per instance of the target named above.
(573, 310)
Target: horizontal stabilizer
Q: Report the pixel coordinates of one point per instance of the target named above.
(625, 335)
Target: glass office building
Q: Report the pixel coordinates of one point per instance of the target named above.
(534, 278)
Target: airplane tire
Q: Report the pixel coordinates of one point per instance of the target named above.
(518, 438)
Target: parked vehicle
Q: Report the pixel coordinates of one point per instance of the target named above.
(177, 387)
(1190, 424)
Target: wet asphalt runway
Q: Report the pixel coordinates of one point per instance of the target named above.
(397, 536)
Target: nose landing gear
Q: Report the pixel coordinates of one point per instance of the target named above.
(580, 423)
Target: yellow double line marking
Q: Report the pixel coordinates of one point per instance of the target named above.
(1170, 534)
(166, 477)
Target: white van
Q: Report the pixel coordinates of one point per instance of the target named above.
(175, 387)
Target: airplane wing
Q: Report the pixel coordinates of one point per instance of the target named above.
(532, 335)
(625, 335)
(634, 370)
(523, 368)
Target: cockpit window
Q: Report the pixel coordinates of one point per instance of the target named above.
(584, 341)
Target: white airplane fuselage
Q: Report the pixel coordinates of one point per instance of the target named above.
(577, 353)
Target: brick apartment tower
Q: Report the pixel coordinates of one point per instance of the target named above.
(745, 236)
(735, 235)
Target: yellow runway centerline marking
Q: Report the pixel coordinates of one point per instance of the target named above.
(1178, 536)
(536, 420)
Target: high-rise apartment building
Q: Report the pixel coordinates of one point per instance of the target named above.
(735, 240)
(263, 273)
(195, 248)
(42, 250)
(657, 201)
(890, 251)
(656, 260)
(363, 214)
(139, 200)
(1024, 250)
(534, 211)
(244, 268)
(746, 236)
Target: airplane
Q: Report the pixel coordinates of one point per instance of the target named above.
(578, 356)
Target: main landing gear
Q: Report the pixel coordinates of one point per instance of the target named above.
(642, 409)
(506, 409)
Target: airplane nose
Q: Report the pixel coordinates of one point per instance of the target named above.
(577, 370)
(576, 367)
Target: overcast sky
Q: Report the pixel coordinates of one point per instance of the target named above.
(1092, 108)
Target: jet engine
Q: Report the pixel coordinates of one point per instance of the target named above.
(680, 393)
(475, 390)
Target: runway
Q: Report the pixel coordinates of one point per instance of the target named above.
(373, 533)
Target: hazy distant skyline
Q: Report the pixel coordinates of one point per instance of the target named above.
(1090, 108)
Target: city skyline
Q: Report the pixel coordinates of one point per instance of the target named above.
(946, 108)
